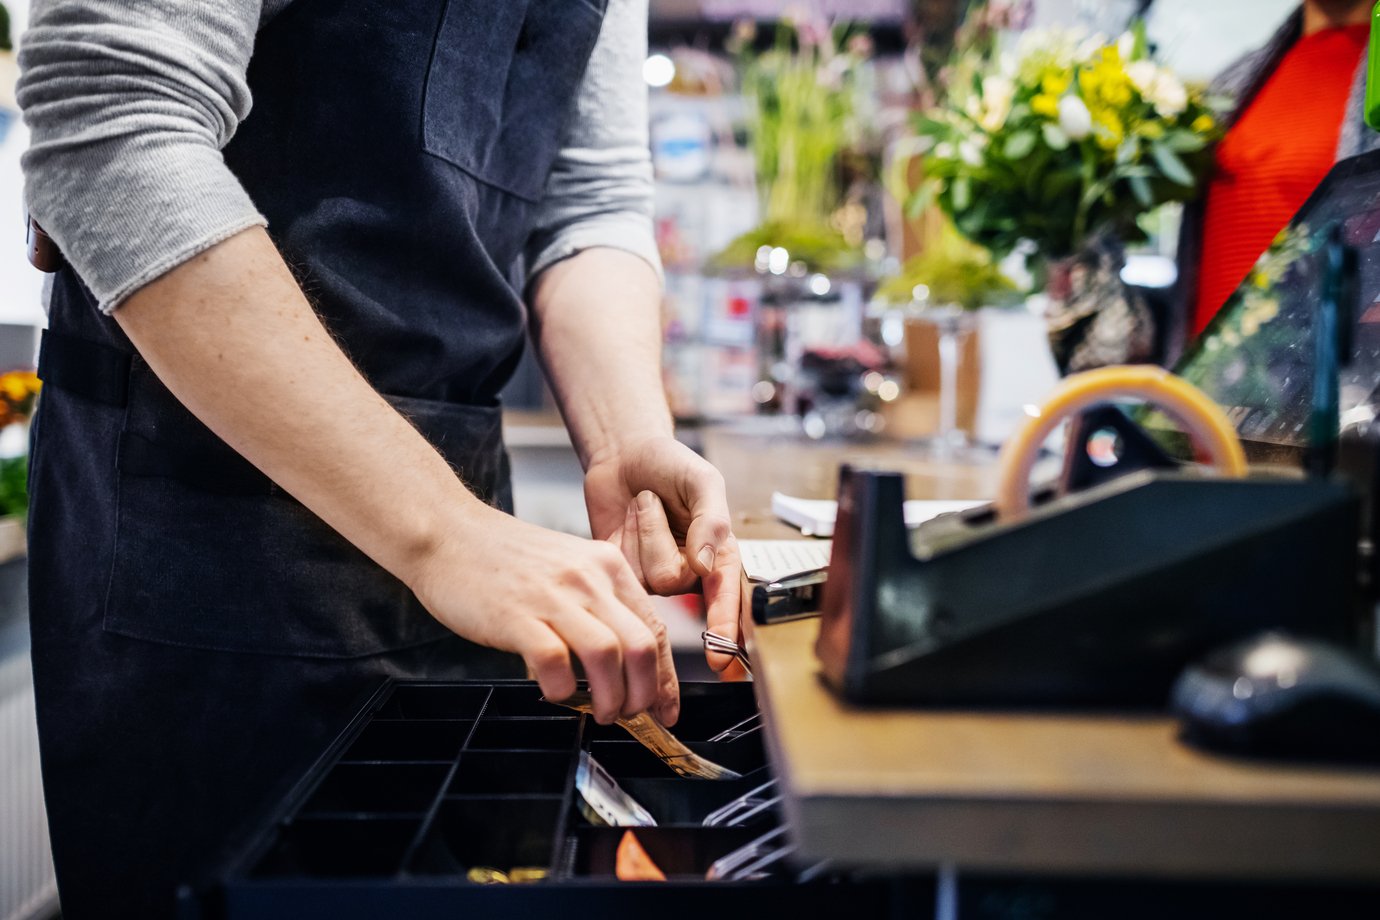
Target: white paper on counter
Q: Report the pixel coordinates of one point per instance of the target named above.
(815, 517)
(773, 560)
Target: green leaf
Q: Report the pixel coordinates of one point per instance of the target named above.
(1126, 152)
(1173, 168)
(1019, 145)
(1141, 49)
(1055, 138)
(962, 194)
(1185, 142)
(1141, 189)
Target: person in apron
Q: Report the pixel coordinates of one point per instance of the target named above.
(201, 623)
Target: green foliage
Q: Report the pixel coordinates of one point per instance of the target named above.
(6, 40)
(14, 486)
(801, 122)
(817, 245)
(1063, 139)
(955, 271)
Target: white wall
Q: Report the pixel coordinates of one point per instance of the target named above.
(20, 283)
(1196, 37)
(1200, 38)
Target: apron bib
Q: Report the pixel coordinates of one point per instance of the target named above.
(198, 636)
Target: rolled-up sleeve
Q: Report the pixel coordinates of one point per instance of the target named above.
(600, 189)
(129, 103)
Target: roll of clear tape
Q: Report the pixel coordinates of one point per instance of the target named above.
(1201, 418)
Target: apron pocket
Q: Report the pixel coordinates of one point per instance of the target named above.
(501, 85)
(205, 557)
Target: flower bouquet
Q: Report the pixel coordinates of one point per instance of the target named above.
(1067, 142)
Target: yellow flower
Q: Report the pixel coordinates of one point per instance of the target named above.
(1150, 129)
(1109, 130)
(1203, 124)
(1045, 104)
(1055, 83)
(17, 386)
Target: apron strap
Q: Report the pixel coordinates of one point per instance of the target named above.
(91, 370)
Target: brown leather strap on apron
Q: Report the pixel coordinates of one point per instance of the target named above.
(44, 254)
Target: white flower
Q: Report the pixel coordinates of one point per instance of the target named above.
(1126, 45)
(1168, 95)
(998, 93)
(944, 150)
(1090, 46)
(1143, 75)
(970, 153)
(1074, 118)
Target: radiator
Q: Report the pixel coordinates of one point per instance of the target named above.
(28, 889)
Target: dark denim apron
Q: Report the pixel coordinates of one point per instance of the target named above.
(198, 636)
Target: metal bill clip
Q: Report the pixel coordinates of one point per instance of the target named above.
(714, 642)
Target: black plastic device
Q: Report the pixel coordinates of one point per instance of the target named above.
(1278, 696)
(1098, 598)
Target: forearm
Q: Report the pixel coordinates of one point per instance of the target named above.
(597, 327)
(233, 322)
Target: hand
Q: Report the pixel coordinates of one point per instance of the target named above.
(665, 506)
(517, 587)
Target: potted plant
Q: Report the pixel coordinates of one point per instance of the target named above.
(801, 122)
(1068, 142)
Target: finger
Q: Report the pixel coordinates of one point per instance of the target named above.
(638, 646)
(667, 697)
(628, 540)
(597, 647)
(661, 562)
(734, 673)
(710, 525)
(723, 600)
(547, 659)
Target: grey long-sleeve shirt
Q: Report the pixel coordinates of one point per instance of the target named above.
(131, 101)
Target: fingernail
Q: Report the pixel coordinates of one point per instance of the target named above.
(644, 500)
(706, 558)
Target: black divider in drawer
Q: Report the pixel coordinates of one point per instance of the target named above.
(522, 701)
(502, 833)
(686, 801)
(526, 734)
(424, 739)
(439, 701)
(339, 848)
(680, 852)
(511, 773)
(377, 787)
(629, 758)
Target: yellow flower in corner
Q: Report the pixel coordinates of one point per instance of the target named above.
(1203, 124)
(1045, 104)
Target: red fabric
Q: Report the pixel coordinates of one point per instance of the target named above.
(1273, 158)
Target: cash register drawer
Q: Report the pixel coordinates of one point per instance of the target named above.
(433, 779)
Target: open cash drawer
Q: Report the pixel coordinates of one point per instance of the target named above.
(433, 779)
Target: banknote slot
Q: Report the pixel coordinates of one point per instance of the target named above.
(682, 801)
(415, 701)
(366, 788)
(430, 739)
(680, 852)
(339, 848)
(624, 759)
(526, 734)
(522, 701)
(705, 711)
(500, 833)
(511, 773)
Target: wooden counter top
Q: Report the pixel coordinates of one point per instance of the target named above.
(1025, 792)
